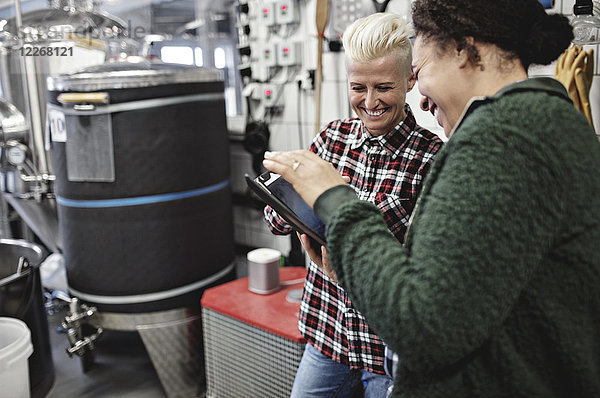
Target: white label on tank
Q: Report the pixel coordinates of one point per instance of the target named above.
(58, 128)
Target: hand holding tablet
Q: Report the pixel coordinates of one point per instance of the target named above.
(281, 196)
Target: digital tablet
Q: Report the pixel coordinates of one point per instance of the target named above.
(283, 198)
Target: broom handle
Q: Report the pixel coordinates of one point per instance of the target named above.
(321, 19)
(318, 84)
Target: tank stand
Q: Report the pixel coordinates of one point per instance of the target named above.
(173, 340)
(80, 333)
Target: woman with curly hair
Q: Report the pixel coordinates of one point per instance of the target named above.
(495, 291)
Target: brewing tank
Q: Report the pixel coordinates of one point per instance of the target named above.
(141, 157)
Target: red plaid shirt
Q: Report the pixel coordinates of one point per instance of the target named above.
(387, 171)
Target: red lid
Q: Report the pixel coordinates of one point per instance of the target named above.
(270, 312)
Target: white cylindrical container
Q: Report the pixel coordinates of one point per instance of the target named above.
(15, 348)
(263, 270)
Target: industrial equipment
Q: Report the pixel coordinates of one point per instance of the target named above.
(141, 156)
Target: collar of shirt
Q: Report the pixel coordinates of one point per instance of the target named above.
(544, 84)
(393, 141)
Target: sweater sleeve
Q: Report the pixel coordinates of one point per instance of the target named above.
(487, 216)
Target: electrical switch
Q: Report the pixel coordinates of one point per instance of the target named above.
(289, 53)
(269, 55)
(270, 94)
(267, 14)
(286, 12)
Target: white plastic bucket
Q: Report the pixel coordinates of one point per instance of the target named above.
(15, 348)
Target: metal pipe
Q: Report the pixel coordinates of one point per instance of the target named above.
(35, 134)
(5, 231)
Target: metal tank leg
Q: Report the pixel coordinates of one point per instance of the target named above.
(173, 340)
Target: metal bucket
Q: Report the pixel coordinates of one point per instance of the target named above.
(21, 297)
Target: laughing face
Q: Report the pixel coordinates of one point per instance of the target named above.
(441, 82)
(377, 91)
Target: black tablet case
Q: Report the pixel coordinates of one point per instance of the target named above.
(257, 185)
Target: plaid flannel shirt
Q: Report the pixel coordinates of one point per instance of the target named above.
(388, 171)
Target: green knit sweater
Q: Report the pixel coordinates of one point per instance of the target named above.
(496, 292)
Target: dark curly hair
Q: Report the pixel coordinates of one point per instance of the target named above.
(522, 28)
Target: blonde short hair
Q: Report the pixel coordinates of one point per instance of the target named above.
(376, 35)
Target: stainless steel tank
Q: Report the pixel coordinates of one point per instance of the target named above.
(19, 183)
(77, 35)
(13, 125)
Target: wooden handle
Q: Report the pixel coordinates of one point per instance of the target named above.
(318, 84)
(321, 19)
(86, 42)
(322, 16)
(89, 98)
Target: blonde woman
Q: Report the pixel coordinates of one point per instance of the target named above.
(386, 156)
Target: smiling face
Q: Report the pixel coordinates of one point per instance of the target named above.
(377, 91)
(441, 82)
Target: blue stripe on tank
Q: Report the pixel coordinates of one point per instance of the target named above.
(141, 200)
